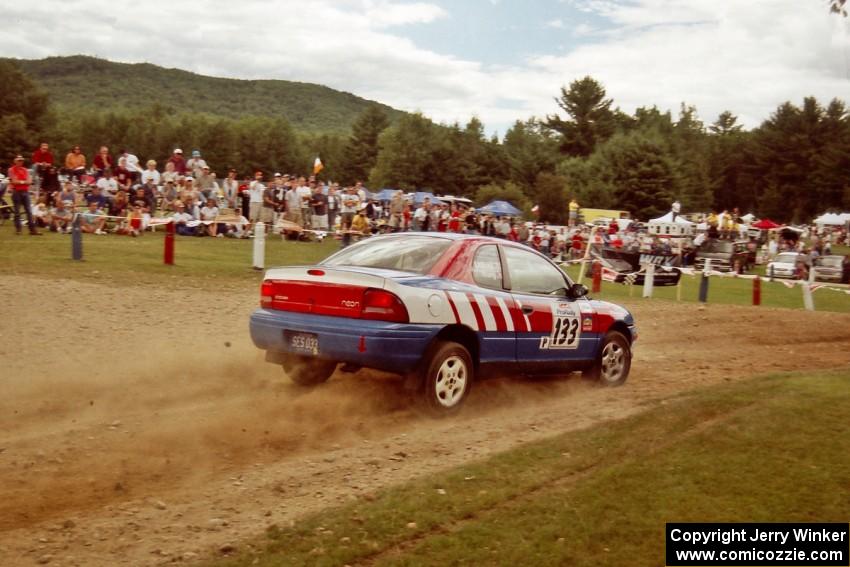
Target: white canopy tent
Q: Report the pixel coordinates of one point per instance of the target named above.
(670, 225)
(832, 219)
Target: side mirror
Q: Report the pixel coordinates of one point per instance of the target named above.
(578, 290)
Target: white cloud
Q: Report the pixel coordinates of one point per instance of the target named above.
(557, 24)
(747, 57)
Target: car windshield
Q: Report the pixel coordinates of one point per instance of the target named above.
(416, 254)
(786, 258)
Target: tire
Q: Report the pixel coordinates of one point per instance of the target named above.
(612, 366)
(308, 371)
(447, 378)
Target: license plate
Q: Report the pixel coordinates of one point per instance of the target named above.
(302, 343)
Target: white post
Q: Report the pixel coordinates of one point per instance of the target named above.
(648, 280)
(808, 300)
(259, 246)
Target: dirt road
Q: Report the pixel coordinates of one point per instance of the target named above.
(139, 426)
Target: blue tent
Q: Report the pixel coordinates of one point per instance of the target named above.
(419, 197)
(384, 194)
(500, 208)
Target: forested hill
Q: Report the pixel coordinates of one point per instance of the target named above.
(87, 82)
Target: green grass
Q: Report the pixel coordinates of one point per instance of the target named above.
(121, 260)
(766, 450)
(731, 291)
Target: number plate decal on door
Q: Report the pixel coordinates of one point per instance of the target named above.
(566, 328)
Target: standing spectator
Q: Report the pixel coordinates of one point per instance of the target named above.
(42, 159)
(333, 204)
(75, 163)
(102, 161)
(454, 218)
(178, 161)
(396, 211)
(319, 204)
(131, 162)
(256, 191)
(573, 212)
(350, 205)
(196, 164)
(293, 205)
(20, 180)
(267, 214)
(305, 193)
(151, 173)
(230, 186)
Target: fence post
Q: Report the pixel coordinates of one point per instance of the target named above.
(808, 300)
(648, 280)
(757, 291)
(703, 282)
(597, 277)
(168, 252)
(259, 246)
(76, 238)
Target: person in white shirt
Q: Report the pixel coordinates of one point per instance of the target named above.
(348, 208)
(305, 195)
(184, 224)
(151, 173)
(108, 185)
(255, 191)
(209, 213)
(132, 164)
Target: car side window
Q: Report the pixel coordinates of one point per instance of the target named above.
(530, 273)
(487, 267)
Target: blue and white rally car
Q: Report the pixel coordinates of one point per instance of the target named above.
(439, 309)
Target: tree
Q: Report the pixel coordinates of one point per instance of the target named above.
(361, 152)
(23, 112)
(529, 150)
(551, 198)
(590, 118)
(406, 159)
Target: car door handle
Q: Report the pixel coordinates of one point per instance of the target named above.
(527, 309)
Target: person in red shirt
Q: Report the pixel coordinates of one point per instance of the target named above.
(178, 161)
(20, 180)
(42, 158)
(102, 160)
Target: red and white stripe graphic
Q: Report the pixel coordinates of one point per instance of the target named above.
(480, 312)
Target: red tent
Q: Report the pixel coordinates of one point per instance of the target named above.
(765, 224)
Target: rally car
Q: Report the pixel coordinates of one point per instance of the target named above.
(439, 309)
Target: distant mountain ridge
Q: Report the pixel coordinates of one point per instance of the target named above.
(81, 81)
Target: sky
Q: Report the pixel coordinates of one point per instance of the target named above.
(498, 60)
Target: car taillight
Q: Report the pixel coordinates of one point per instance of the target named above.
(266, 293)
(382, 305)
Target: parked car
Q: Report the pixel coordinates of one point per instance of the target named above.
(725, 255)
(788, 265)
(832, 269)
(439, 309)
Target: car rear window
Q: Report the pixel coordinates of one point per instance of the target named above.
(415, 254)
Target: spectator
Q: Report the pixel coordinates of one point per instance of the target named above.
(230, 187)
(360, 223)
(196, 164)
(102, 161)
(108, 184)
(169, 196)
(151, 173)
(178, 162)
(75, 163)
(256, 191)
(20, 180)
(267, 213)
(41, 212)
(422, 216)
(208, 216)
(170, 173)
(119, 205)
(123, 176)
(50, 183)
(206, 184)
(131, 162)
(93, 219)
(319, 206)
(350, 205)
(334, 204)
(67, 194)
(135, 223)
(237, 229)
(61, 217)
(97, 197)
(183, 222)
(42, 158)
(305, 194)
(293, 205)
(396, 211)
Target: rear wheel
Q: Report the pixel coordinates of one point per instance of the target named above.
(448, 377)
(612, 366)
(308, 371)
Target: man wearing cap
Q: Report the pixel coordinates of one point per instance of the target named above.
(20, 180)
(205, 182)
(196, 164)
(178, 161)
(256, 192)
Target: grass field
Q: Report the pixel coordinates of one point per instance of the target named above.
(213, 262)
(601, 496)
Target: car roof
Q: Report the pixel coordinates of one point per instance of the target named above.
(444, 236)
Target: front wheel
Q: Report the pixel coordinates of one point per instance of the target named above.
(448, 377)
(308, 371)
(612, 366)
